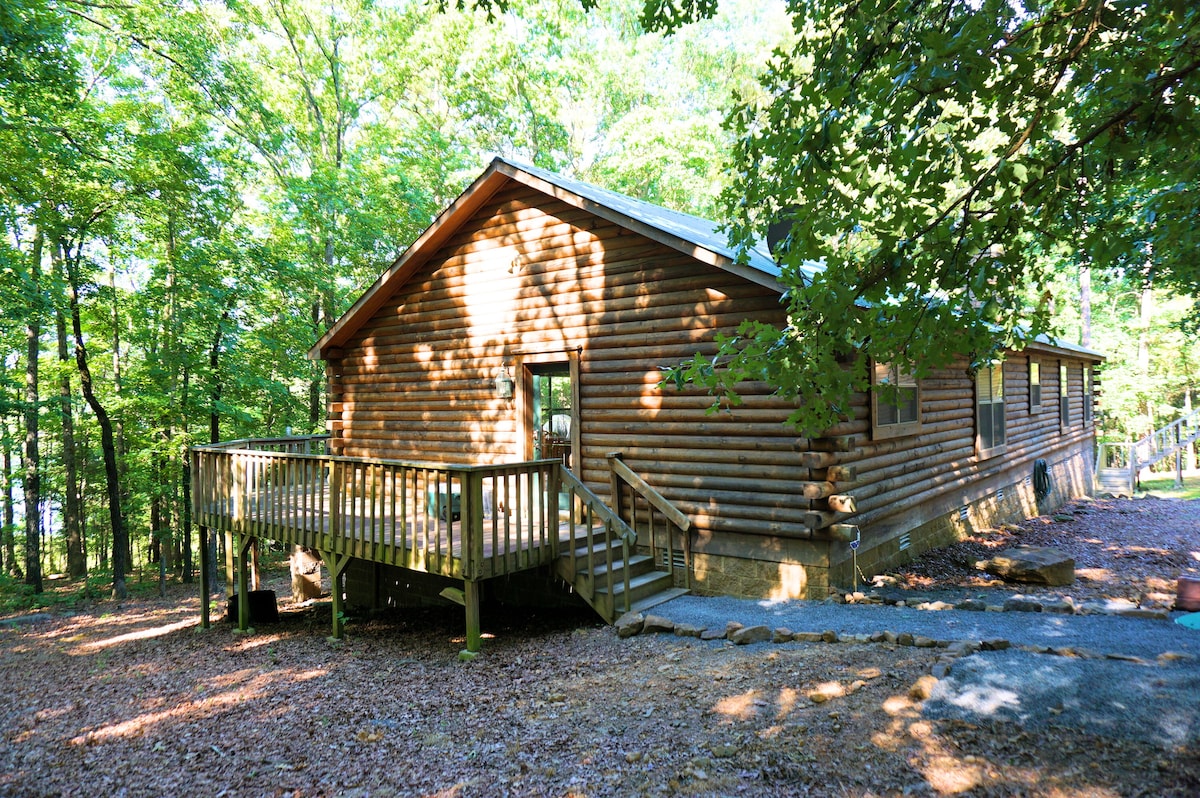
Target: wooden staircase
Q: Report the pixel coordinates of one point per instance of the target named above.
(607, 565)
(614, 580)
(1118, 464)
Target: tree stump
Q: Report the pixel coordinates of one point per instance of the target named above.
(305, 564)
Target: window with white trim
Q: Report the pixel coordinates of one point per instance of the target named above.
(989, 408)
(1087, 395)
(1035, 386)
(1064, 399)
(895, 402)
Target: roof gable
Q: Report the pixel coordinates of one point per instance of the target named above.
(691, 235)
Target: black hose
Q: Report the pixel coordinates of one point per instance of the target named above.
(1041, 478)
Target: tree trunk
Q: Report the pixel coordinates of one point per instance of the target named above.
(72, 506)
(305, 565)
(185, 511)
(314, 385)
(33, 476)
(214, 362)
(1085, 305)
(1147, 318)
(8, 533)
(120, 535)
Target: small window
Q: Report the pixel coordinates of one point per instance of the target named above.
(1035, 385)
(989, 416)
(1064, 401)
(1087, 396)
(895, 413)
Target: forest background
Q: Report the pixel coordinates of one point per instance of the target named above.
(192, 192)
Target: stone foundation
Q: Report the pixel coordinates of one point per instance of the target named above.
(818, 568)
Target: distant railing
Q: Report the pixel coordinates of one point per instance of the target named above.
(1164, 442)
(291, 444)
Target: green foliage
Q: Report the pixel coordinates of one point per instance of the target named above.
(931, 154)
(1166, 488)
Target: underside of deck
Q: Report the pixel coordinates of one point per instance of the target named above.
(467, 523)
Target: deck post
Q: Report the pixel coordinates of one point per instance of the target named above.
(336, 563)
(471, 598)
(205, 582)
(230, 572)
(245, 542)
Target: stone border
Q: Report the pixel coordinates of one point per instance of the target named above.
(1063, 605)
(635, 623)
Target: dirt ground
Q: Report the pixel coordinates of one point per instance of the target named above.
(134, 700)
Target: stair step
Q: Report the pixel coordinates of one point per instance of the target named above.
(598, 550)
(641, 587)
(661, 597)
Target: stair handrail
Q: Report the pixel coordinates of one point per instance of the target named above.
(620, 474)
(596, 508)
(1165, 441)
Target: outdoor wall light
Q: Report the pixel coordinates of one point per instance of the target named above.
(504, 383)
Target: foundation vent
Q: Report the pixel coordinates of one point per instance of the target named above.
(677, 559)
(963, 512)
(1000, 495)
(905, 542)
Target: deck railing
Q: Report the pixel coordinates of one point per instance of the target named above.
(648, 511)
(1130, 458)
(463, 522)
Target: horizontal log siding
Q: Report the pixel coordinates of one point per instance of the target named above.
(416, 382)
(901, 481)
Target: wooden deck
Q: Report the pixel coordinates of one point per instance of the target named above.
(467, 523)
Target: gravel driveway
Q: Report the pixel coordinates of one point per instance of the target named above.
(1136, 678)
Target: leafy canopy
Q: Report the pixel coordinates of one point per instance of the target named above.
(931, 153)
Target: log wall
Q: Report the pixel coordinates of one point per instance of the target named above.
(530, 276)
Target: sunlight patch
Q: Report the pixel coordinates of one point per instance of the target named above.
(143, 634)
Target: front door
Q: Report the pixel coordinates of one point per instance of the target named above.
(552, 423)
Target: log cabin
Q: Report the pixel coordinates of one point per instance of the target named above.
(495, 409)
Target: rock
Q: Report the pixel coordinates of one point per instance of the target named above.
(688, 630)
(905, 639)
(995, 644)
(1158, 601)
(713, 634)
(1143, 612)
(1062, 606)
(1042, 565)
(722, 751)
(630, 624)
(890, 637)
(1022, 604)
(732, 627)
(807, 637)
(829, 636)
(935, 606)
(940, 670)
(750, 634)
(657, 623)
(1107, 607)
(782, 635)
(1062, 518)
(924, 642)
(962, 648)
(923, 688)
(973, 605)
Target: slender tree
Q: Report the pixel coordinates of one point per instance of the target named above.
(32, 481)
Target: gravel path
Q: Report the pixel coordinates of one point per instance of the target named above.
(1138, 678)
